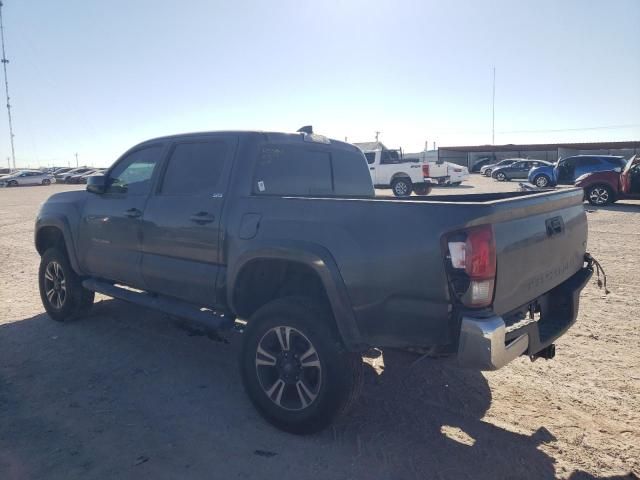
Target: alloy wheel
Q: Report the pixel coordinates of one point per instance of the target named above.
(55, 285)
(288, 368)
(599, 195)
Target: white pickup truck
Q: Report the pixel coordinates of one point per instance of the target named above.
(404, 173)
(389, 169)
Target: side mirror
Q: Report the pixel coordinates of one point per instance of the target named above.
(97, 184)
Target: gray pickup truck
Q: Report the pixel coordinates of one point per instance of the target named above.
(282, 234)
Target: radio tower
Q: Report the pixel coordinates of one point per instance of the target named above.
(4, 61)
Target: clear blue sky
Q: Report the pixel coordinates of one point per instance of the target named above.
(96, 77)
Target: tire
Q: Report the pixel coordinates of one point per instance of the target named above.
(487, 172)
(272, 367)
(12, 183)
(401, 187)
(46, 181)
(455, 184)
(501, 177)
(541, 181)
(422, 189)
(69, 299)
(599, 195)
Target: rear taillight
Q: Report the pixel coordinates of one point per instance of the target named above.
(425, 170)
(472, 263)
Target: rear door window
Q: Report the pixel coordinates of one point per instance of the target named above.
(195, 168)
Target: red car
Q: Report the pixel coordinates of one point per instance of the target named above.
(602, 188)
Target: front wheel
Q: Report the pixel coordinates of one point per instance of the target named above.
(599, 195)
(12, 183)
(61, 290)
(541, 181)
(46, 181)
(487, 172)
(501, 177)
(294, 368)
(401, 187)
(422, 189)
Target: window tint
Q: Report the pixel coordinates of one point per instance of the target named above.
(616, 162)
(194, 168)
(351, 174)
(588, 161)
(132, 175)
(389, 156)
(518, 165)
(292, 170)
(371, 157)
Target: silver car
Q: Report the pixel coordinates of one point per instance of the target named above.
(26, 177)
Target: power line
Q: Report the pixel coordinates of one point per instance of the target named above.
(605, 127)
(5, 61)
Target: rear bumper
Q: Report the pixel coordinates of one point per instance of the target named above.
(491, 342)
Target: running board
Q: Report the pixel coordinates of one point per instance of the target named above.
(206, 318)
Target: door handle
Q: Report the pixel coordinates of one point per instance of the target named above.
(133, 213)
(372, 168)
(202, 218)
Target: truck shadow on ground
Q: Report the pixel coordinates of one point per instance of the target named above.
(130, 393)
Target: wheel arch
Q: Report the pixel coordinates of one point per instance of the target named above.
(55, 231)
(310, 269)
(397, 175)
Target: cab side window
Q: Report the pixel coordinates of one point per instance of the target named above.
(132, 175)
(371, 157)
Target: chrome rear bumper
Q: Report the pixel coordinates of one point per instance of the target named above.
(482, 344)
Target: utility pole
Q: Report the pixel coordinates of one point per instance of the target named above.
(493, 109)
(4, 61)
(77, 164)
(377, 135)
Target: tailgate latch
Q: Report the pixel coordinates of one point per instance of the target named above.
(554, 225)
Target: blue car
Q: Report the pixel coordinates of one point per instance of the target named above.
(566, 170)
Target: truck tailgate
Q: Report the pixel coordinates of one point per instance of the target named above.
(539, 244)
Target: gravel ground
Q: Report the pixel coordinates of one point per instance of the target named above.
(131, 393)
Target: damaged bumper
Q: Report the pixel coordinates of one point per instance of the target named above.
(491, 342)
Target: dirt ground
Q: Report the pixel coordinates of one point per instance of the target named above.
(129, 393)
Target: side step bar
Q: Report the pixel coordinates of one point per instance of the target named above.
(206, 318)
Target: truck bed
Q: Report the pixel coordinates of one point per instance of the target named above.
(391, 257)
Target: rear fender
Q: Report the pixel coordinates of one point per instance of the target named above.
(322, 263)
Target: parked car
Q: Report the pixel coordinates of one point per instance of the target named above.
(518, 169)
(83, 178)
(565, 171)
(389, 169)
(602, 188)
(77, 177)
(487, 169)
(5, 171)
(481, 162)
(445, 173)
(284, 232)
(65, 176)
(26, 177)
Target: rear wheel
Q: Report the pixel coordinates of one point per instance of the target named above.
(401, 187)
(294, 368)
(599, 195)
(46, 181)
(541, 181)
(61, 290)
